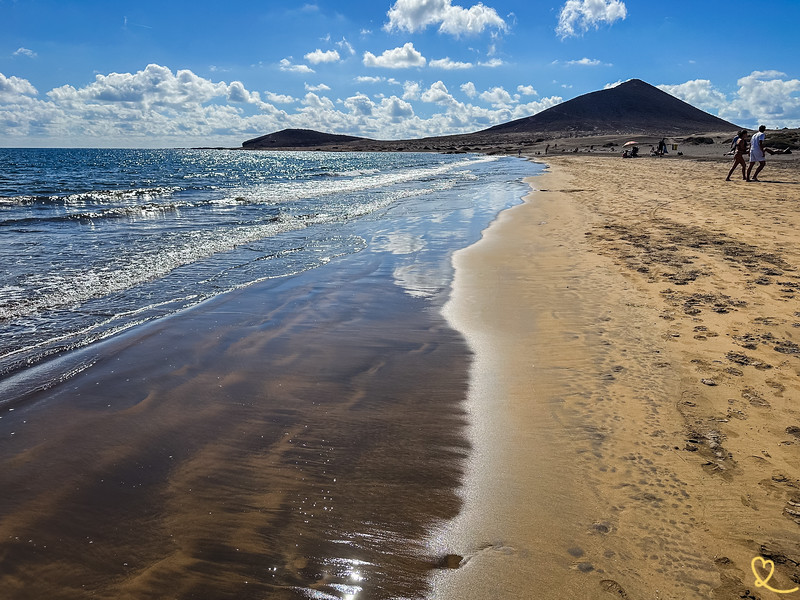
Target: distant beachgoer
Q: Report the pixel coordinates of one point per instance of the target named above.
(757, 151)
(734, 142)
(546, 148)
(662, 147)
(738, 157)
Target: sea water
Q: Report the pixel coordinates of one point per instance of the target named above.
(94, 242)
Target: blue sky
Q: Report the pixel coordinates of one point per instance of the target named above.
(175, 73)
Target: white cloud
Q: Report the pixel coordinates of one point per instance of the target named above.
(150, 107)
(155, 86)
(287, 65)
(469, 89)
(446, 63)
(578, 16)
(531, 108)
(346, 46)
(411, 90)
(699, 93)
(398, 58)
(321, 87)
(279, 98)
(239, 94)
(438, 93)
(25, 52)
(527, 90)
(416, 15)
(608, 86)
(587, 62)
(318, 56)
(497, 97)
(15, 86)
(763, 97)
(159, 107)
(315, 102)
(491, 63)
(768, 98)
(360, 105)
(397, 109)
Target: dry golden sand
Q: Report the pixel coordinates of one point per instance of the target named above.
(635, 387)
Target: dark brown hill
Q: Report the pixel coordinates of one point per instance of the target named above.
(297, 138)
(631, 107)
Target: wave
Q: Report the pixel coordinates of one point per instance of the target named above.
(149, 210)
(90, 197)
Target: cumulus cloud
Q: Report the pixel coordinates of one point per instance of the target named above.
(279, 98)
(287, 65)
(769, 98)
(446, 63)
(469, 89)
(497, 96)
(318, 56)
(160, 107)
(398, 58)
(527, 90)
(154, 86)
(360, 105)
(531, 108)
(763, 97)
(416, 15)
(438, 94)
(699, 93)
(320, 87)
(578, 16)
(411, 90)
(15, 86)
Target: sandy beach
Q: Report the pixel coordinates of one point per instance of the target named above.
(635, 326)
(604, 408)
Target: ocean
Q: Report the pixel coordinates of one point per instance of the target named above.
(96, 241)
(226, 374)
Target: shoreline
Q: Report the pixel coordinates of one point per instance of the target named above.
(296, 437)
(607, 320)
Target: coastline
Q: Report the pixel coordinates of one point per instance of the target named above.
(294, 438)
(631, 396)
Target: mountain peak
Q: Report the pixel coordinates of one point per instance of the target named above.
(633, 106)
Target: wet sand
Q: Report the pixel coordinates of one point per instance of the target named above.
(633, 401)
(298, 437)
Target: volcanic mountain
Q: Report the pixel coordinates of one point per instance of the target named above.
(630, 107)
(297, 138)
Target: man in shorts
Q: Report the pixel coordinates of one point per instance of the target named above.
(757, 153)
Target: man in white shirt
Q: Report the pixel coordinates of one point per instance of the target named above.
(757, 151)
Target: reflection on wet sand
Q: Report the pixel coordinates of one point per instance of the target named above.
(294, 440)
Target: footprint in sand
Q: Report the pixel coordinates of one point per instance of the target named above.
(612, 587)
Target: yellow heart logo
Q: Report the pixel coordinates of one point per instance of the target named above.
(764, 582)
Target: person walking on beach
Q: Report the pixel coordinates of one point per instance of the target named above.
(738, 157)
(757, 150)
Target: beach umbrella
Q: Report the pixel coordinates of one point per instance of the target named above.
(631, 143)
